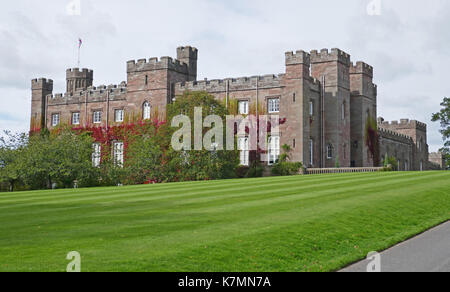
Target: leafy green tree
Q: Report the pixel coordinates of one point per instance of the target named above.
(11, 149)
(62, 157)
(444, 118)
(198, 164)
(144, 163)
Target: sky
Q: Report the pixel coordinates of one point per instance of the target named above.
(407, 42)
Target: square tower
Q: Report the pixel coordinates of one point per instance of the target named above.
(363, 110)
(332, 68)
(152, 82)
(77, 79)
(40, 88)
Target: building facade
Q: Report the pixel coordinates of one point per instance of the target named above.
(326, 99)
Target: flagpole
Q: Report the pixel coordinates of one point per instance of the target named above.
(80, 42)
(79, 49)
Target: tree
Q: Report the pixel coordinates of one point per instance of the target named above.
(144, 163)
(61, 157)
(444, 118)
(198, 164)
(11, 149)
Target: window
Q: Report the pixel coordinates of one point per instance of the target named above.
(421, 144)
(294, 97)
(274, 149)
(75, 118)
(243, 107)
(118, 154)
(274, 105)
(311, 108)
(55, 120)
(243, 147)
(311, 152)
(329, 151)
(96, 154)
(146, 79)
(97, 117)
(119, 114)
(147, 110)
(343, 111)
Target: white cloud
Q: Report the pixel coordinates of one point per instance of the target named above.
(407, 44)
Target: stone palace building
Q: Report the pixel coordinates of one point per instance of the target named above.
(326, 99)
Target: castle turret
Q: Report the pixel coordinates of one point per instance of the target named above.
(363, 108)
(333, 69)
(40, 88)
(189, 55)
(78, 80)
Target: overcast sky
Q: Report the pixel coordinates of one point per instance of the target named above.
(408, 44)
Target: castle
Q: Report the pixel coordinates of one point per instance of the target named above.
(327, 101)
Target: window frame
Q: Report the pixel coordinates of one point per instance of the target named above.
(273, 105)
(244, 151)
(146, 111)
(273, 152)
(78, 122)
(97, 114)
(122, 115)
(96, 154)
(329, 150)
(58, 120)
(118, 157)
(247, 107)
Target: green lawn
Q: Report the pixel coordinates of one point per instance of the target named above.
(300, 223)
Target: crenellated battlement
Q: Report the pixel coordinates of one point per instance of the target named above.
(299, 57)
(234, 84)
(152, 64)
(42, 83)
(187, 52)
(392, 135)
(330, 56)
(94, 94)
(403, 124)
(361, 68)
(77, 73)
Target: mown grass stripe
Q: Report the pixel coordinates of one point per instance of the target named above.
(276, 224)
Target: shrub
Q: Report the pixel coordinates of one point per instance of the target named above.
(284, 167)
(242, 171)
(256, 170)
(390, 162)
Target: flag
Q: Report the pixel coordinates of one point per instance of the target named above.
(80, 43)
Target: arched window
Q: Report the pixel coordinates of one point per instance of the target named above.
(329, 151)
(147, 110)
